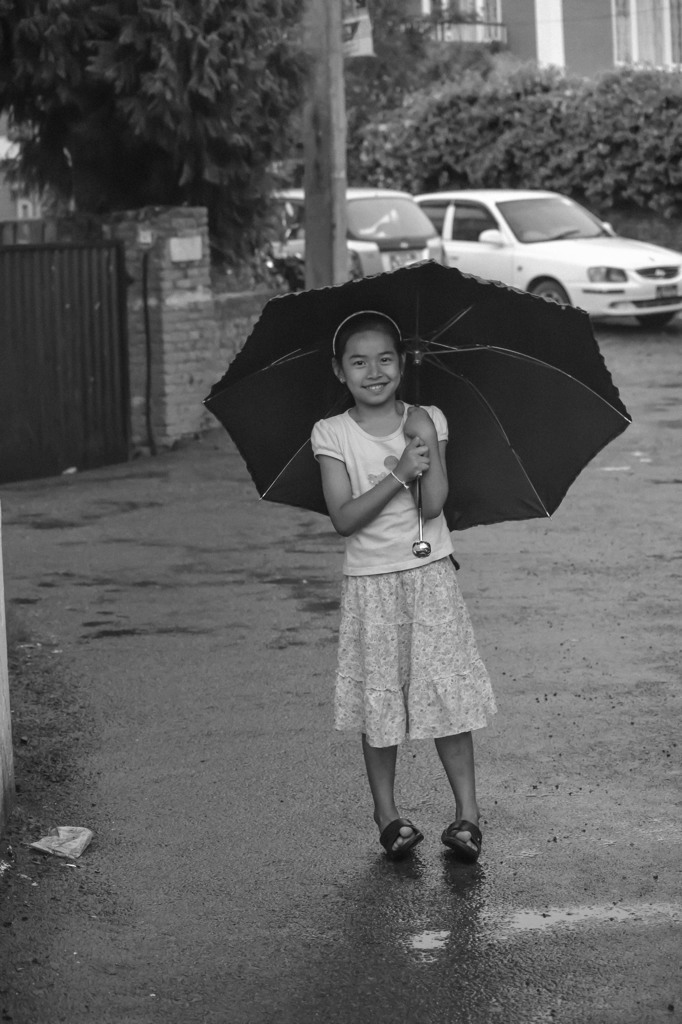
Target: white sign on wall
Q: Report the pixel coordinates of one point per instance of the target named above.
(185, 250)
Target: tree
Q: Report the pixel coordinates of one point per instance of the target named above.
(406, 60)
(126, 103)
(613, 142)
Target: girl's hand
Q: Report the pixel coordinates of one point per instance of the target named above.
(414, 461)
(419, 424)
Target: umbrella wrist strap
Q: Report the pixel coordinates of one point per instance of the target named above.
(401, 482)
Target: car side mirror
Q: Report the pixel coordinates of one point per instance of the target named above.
(608, 228)
(492, 237)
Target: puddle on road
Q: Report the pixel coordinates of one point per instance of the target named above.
(45, 521)
(555, 917)
(524, 921)
(332, 605)
(125, 631)
(427, 944)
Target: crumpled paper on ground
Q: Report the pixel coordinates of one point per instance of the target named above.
(65, 841)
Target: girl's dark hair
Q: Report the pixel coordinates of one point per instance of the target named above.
(366, 320)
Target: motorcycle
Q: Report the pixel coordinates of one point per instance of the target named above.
(286, 266)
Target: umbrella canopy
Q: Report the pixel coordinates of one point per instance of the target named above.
(521, 380)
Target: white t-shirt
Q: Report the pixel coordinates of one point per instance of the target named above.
(385, 544)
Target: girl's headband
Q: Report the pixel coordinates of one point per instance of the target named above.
(363, 313)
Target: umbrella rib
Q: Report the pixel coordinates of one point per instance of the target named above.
(443, 346)
(297, 353)
(530, 359)
(504, 433)
(296, 454)
(283, 469)
(450, 323)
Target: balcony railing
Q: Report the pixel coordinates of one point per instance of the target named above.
(451, 31)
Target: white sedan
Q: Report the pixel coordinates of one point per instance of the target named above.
(545, 243)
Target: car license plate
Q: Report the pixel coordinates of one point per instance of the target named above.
(666, 291)
(401, 259)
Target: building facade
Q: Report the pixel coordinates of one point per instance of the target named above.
(8, 205)
(461, 21)
(13, 206)
(583, 37)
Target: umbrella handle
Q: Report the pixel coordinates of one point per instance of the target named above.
(421, 548)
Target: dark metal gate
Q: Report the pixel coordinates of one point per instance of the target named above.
(63, 358)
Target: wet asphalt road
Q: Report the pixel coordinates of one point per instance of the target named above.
(235, 874)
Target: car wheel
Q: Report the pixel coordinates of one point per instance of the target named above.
(656, 319)
(551, 290)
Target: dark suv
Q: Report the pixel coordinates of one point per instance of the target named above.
(385, 230)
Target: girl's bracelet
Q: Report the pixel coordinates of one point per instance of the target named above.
(401, 482)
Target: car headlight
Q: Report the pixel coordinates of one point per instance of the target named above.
(606, 274)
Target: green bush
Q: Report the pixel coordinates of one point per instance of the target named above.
(613, 143)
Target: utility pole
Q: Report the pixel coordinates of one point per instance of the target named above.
(324, 148)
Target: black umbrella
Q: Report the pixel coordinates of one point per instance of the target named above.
(527, 395)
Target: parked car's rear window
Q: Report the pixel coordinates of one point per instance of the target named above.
(548, 218)
(387, 217)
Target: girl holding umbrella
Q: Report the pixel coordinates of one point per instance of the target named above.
(408, 665)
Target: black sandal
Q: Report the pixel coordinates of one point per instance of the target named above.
(392, 832)
(459, 846)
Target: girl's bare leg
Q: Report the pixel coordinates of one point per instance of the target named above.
(457, 756)
(380, 764)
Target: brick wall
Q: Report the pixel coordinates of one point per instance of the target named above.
(236, 313)
(194, 333)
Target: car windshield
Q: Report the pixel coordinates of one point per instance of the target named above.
(387, 217)
(548, 219)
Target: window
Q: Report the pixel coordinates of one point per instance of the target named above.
(25, 209)
(381, 217)
(474, 10)
(676, 31)
(469, 220)
(492, 11)
(549, 218)
(650, 32)
(623, 31)
(435, 210)
(647, 32)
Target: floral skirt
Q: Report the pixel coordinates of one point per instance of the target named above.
(408, 665)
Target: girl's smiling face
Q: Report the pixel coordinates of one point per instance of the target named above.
(370, 367)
